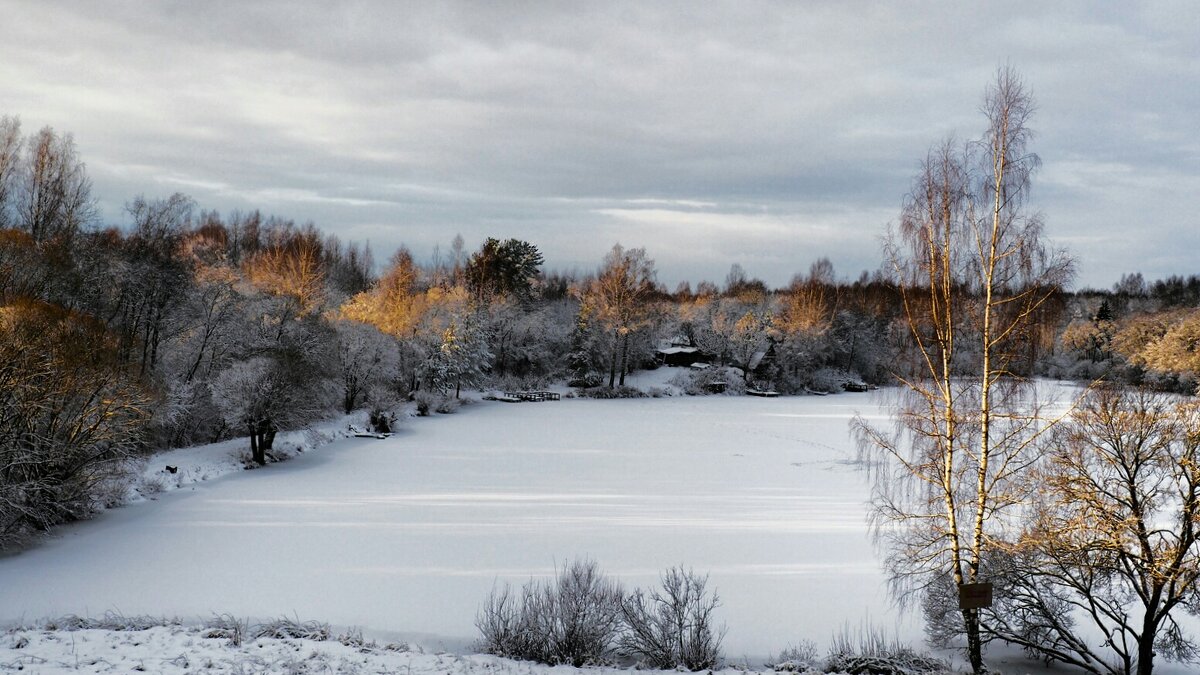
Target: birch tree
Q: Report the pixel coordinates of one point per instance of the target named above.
(972, 273)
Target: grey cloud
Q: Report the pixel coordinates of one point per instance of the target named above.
(408, 122)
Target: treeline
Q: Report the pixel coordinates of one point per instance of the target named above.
(1145, 334)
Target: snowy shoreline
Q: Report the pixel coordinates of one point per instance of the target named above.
(202, 463)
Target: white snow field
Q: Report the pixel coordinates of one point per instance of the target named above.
(410, 533)
(406, 536)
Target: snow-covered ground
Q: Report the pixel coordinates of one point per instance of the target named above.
(410, 533)
(181, 649)
(406, 536)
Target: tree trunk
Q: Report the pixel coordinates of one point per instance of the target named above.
(624, 357)
(612, 367)
(1145, 662)
(154, 338)
(256, 451)
(974, 644)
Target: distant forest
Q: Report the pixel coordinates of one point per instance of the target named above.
(184, 326)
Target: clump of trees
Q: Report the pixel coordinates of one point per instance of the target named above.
(971, 282)
(581, 617)
(1112, 545)
(1083, 525)
(70, 412)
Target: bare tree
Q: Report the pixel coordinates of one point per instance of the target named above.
(55, 194)
(972, 275)
(1116, 537)
(674, 626)
(619, 298)
(574, 619)
(155, 279)
(367, 358)
(10, 157)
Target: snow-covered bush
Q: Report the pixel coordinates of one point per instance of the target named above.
(574, 619)
(448, 406)
(615, 392)
(707, 381)
(583, 618)
(71, 417)
(586, 381)
(830, 380)
(430, 402)
(150, 486)
(522, 383)
(113, 490)
(226, 627)
(425, 402)
(673, 627)
(798, 658)
(109, 621)
(284, 628)
(868, 650)
(382, 421)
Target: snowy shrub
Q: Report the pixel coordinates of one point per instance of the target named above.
(150, 486)
(586, 381)
(830, 380)
(708, 381)
(798, 658)
(615, 392)
(354, 638)
(574, 619)
(869, 651)
(448, 406)
(425, 402)
(522, 383)
(113, 490)
(382, 421)
(113, 621)
(383, 404)
(226, 627)
(71, 415)
(284, 628)
(673, 627)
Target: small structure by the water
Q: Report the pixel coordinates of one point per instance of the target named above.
(522, 396)
(681, 356)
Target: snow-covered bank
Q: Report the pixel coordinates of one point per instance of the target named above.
(186, 649)
(172, 648)
(184, 467)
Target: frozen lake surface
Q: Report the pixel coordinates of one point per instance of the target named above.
(409, 534)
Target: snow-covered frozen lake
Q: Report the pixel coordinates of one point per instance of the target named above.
(409, 534)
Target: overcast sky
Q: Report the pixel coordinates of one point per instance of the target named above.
(766, 134)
